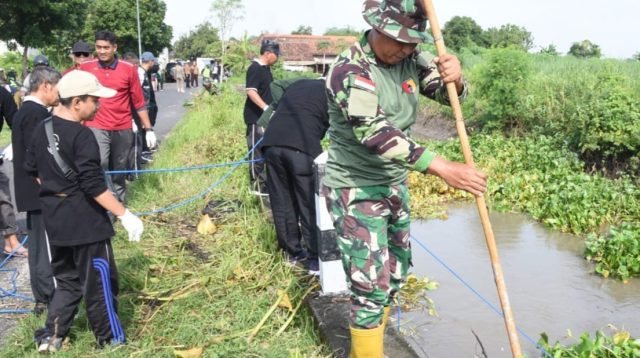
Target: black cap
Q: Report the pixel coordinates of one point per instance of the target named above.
(40, 60)
(270, 46)
(81, 47)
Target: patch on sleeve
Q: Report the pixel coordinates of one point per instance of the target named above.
(364, 83)
(362, 103)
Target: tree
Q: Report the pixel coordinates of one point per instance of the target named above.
(227, 12)
(201, 42)
(636, 56)
(342, 31)
(302, 30)
(585, 49)
(238, 53)
(510, 35)
(119, 16)
(32, 23)
(463, 31)
(550, 50)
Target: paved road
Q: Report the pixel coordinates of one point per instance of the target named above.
(170, 112)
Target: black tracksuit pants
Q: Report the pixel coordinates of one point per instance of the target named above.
(291, 185)
(90, 271)
(40, 275)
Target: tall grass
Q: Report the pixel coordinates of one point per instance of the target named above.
(183, 290)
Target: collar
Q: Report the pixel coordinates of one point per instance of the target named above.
(259, 62)
(111, 66)
(33, 99)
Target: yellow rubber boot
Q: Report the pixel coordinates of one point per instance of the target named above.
(385, 317)
(367, 343)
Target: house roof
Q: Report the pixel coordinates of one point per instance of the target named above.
(308, 47)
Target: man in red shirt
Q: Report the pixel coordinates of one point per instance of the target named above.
(112, 124)
(81, 54)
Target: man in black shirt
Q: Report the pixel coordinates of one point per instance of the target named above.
(258, 98)
(74, 205)
(44, 93)
(291, 143)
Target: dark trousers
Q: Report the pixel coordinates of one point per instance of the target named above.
(187, 80)
(7, 215)
(40, 275)
(256, 170)
(194, 80)
(291, 194)
(87, 271)
(115, 148)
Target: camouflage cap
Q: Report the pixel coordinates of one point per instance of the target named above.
(402, 20)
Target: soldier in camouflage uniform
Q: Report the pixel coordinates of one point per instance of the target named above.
(373, 95)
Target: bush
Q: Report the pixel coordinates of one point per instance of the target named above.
(501, 85)
(607, 127)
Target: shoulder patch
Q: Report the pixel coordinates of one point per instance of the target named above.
(364, 83)
(362, 103)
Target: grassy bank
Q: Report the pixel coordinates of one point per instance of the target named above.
(181, 290)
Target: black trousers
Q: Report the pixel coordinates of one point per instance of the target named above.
(40, 275)
(187, 80)
(89, 271)
(291, 194)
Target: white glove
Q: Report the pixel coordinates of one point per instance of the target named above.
(150, 136)
(7, 153)
(132, 224)
(134, 127)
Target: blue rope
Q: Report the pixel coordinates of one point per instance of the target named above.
(208, 189)
(14, 290)
(182, 169)
(493, 307)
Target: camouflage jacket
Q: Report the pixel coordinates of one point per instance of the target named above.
(371, 107)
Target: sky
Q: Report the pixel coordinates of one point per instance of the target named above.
(612, 24)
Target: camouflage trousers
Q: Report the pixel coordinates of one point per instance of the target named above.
(372, 225)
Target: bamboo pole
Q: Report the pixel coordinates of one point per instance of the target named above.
(480, 202)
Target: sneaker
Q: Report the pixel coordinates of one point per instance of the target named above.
(313, 265)
(146, 159)
(294, 260)
(49, 344)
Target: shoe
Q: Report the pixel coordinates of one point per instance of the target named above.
(49, 344)
(313, 265)
(39, 308)
(146, 159)
(367, 343)
(294, 260)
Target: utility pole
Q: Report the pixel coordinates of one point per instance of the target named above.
(139, 38)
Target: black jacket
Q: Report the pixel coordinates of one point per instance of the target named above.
(8, 107)
(24, 123)
(301, 118)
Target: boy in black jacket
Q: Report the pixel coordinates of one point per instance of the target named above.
(75, 208)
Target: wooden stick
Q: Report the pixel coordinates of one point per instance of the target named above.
(480, 202)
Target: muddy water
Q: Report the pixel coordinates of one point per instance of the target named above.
(549, 286)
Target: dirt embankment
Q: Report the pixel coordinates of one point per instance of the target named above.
(432, 125)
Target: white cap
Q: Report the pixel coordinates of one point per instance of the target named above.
(79, 83)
